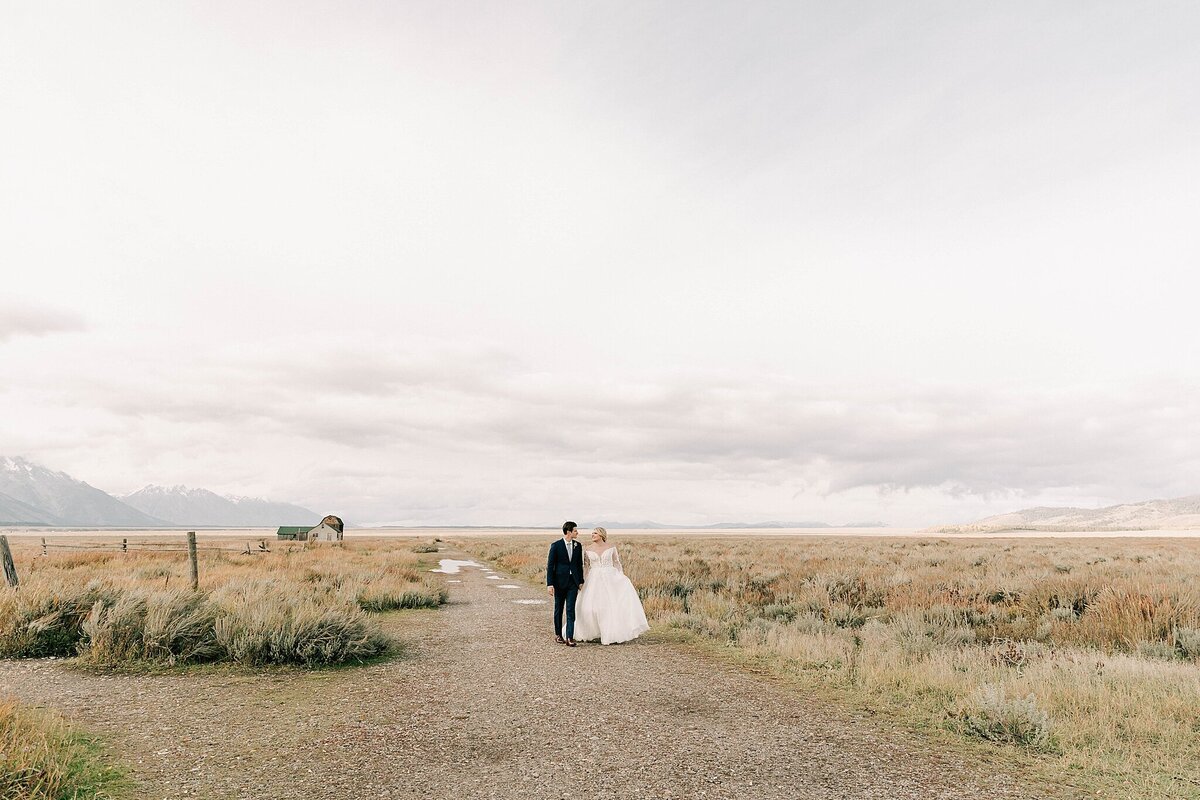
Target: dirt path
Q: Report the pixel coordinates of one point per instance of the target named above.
(486, 705)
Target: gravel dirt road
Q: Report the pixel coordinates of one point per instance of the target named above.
(485, 704)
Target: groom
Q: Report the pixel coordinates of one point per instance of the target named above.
(564, 578)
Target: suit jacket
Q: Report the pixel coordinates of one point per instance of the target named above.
(563, 571)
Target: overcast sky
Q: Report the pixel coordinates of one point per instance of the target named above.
(507, 263)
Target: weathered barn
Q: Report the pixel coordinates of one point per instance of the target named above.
(330, 529)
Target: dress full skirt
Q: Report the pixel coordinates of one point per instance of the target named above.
(609, 608)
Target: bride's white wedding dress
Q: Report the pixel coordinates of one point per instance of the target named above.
(609, 608)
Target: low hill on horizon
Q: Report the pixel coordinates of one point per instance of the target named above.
(1180, 513)
(720, 526)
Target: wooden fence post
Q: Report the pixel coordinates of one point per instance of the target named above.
(45, 552)
(192, 560)
(124, 545)
(10, 569)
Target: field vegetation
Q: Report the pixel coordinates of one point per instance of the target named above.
(42, 759)
(1080, 656)
(306, 606)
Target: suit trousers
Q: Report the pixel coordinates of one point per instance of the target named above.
(564, 601)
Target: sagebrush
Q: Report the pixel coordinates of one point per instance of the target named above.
(301, 605)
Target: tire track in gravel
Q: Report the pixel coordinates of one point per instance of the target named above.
(486, 705)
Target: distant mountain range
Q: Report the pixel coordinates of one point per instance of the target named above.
(1178, 513)
(202, 507)
(31, 494)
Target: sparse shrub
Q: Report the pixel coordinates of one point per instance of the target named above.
(988, 617)
(991, 714)
(42, 619)
(754, 633)
(112, 632)
(853, 590)
(1156, 651)
(1187, 641)
(809, 623)
(165, 627)
(373, 598)
(846, 616)
(680, 589)
(780, 612)
(918, 636)
(259, 624)
(998, 596)
(759, 590)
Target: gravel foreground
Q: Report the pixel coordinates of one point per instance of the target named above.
(486, 705)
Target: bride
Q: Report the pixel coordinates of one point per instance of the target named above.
(609, 608)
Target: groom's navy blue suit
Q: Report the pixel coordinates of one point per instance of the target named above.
(564, 571)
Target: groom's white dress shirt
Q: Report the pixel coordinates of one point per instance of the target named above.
(569, 544)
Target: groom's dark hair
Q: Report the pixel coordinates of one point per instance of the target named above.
(568, 526)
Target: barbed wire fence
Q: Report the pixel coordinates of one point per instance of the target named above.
(189, 546)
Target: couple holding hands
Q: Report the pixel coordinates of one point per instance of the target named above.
(591, 591)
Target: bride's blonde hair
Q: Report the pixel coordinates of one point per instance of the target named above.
(603, 534)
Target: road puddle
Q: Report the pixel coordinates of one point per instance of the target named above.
(450, 566)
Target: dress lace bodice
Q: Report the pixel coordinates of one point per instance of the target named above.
(605, 558)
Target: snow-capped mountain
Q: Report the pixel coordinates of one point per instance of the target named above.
(14, 512)
(58, 499)
(183, 506)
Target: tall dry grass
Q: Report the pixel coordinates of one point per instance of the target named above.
(41, 759)
(1084, 653)
(299, 605)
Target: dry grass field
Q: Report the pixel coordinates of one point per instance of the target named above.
(303, 606)
(1083, 655)
(297, 605)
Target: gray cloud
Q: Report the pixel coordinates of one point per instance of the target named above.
(28, 320)
(977, 443)
(445, 414)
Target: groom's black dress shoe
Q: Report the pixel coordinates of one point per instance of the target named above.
(560, 640)
(570, 642)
